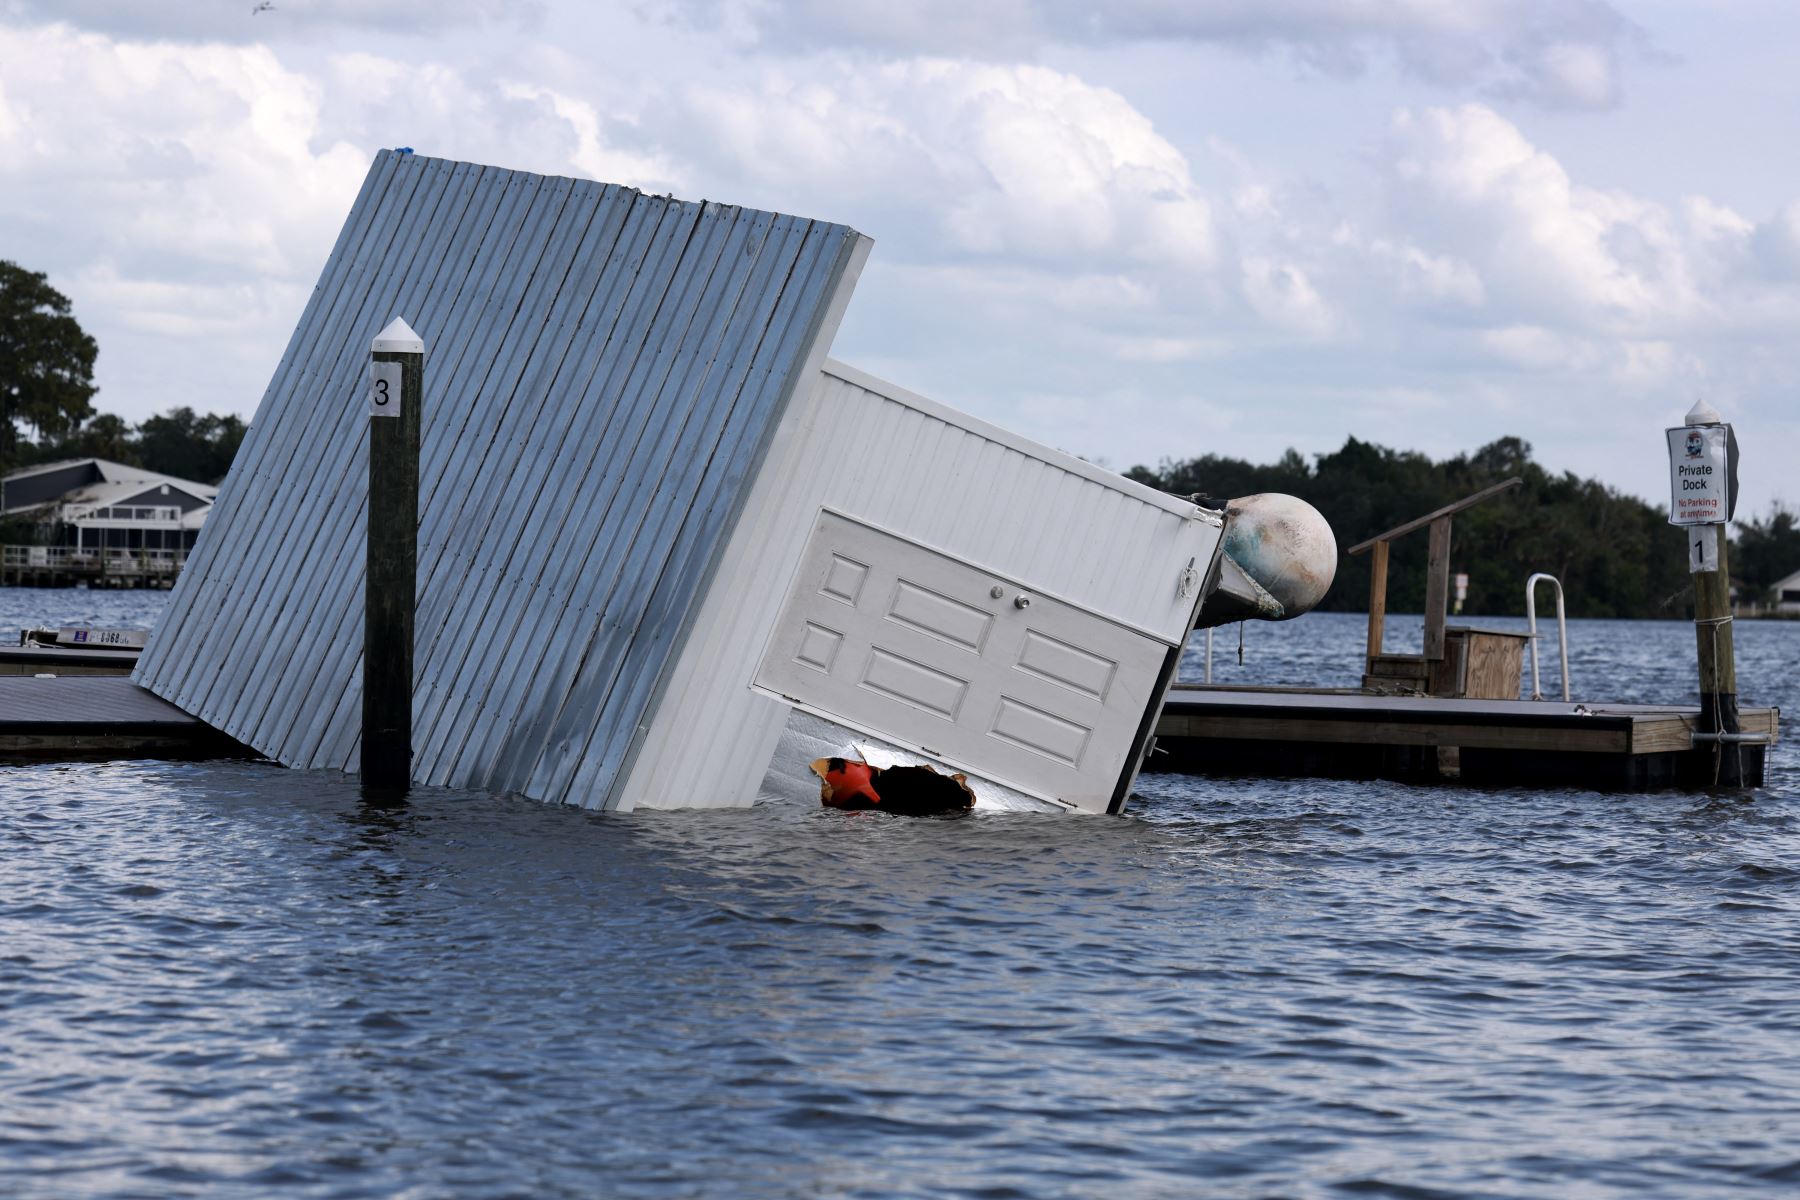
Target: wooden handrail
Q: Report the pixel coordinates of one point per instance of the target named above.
(1428, 518)
(1437, 572)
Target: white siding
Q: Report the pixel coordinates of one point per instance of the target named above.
(916, 467)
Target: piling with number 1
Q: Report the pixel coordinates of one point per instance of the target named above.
(1702, 496)
(396, 389)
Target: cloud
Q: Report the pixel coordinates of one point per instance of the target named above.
(1558, 53)
(188, 201)
(1010, 163)
(245, 21)
(1048, 256)
(1541, 243)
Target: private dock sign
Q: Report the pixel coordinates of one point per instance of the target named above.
(1699, 475)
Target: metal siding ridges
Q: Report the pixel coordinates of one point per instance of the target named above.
(654, 390)
(467, 622)
(932, 475)
(322, 622)
(604, 371)
(605, 334)
(253, 645)
(232, 636)
(465, 267)
(594, 607)
(715, 504)
(600, 669)
(519, 282)
(210, 568)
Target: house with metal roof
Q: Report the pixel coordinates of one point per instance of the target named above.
(666, 546)
(101, 522)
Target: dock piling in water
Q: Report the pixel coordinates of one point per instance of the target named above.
(396, 389)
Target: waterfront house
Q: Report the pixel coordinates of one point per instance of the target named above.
(101, 522)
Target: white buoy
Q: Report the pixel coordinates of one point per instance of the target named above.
(1280, 559)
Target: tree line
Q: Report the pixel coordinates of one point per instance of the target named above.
(1615, 554)
(47, 391)
(180, 442)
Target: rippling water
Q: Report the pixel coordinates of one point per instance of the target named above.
(237, 980)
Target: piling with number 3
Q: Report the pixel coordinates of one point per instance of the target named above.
(396, 389)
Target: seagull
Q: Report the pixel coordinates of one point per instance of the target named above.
(263, 6)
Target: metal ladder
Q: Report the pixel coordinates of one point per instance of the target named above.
(1562, 632)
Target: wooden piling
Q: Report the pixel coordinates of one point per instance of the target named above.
(1718, 663)
(1378, 564)
(397, 381)
(1437, 587)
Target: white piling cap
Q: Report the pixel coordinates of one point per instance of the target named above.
(1704, 414)
(397, 338)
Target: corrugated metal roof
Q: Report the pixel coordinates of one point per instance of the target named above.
(603, 372)
(116, 479)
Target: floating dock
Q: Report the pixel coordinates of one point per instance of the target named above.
(1245, 731)
(90, 718)
(58, 660)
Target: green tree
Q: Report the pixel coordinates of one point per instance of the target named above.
(46, 361)
(189, 445)
(1615, 555)
(103, 435)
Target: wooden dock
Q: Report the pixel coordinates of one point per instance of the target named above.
(1355, 735)
(1229, 731)
(100, 718)
(63, 660)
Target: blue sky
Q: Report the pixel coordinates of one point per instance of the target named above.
(1146, 229)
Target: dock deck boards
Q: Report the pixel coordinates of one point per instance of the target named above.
(99, 717)
(35, 660)
(1338, 733)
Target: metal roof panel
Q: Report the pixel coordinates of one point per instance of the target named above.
(603, 372)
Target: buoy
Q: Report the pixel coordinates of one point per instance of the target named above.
(1279, 557)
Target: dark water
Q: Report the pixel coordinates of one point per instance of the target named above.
(235, 980)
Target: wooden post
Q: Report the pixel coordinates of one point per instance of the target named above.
(396, 391)
(1437, 587)
(1702, 480)
(1718, 662)
(1378, 563)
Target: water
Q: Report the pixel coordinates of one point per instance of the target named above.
(227, 980)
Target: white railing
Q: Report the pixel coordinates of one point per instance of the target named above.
(1562, 631)
(112, 561)
(116, 516)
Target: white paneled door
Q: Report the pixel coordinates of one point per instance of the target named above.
(927, 651)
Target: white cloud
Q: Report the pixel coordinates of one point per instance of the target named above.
(248, 21)
(1047, 254)
(1008, 162)
(1559, 53)
(1282, 294)
(1540, 242)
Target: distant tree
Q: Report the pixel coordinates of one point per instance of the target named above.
(106, 436)
(103, 435)
(46, 361)
(189, 445)
(1615, 554)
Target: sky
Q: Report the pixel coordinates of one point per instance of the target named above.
(1137, 231)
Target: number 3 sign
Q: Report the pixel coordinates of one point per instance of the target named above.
(384, 389)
